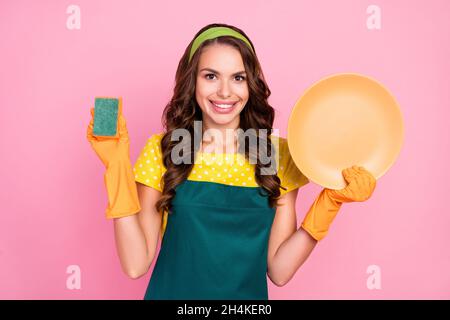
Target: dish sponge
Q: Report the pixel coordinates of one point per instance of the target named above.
(106, 115)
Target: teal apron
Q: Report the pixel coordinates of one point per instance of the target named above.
(215, 244)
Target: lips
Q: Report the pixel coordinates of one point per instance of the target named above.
(223, 106)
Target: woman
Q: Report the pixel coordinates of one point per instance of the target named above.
(225, 220)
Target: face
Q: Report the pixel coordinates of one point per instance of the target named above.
(221, 86)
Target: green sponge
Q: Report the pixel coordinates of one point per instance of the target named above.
(106, 113)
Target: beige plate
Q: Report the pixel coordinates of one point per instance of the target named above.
(343, 120)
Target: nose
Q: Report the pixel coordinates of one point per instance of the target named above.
(224, 90)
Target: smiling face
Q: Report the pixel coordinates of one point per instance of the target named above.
(221, 86)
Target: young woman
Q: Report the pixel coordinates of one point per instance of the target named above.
(224, 222)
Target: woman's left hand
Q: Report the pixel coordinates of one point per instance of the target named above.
(361, 184)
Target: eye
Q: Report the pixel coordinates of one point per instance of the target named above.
(207, 76)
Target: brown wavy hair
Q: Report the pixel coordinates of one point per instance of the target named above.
(183, 110)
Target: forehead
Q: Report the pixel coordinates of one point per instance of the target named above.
(223, 58)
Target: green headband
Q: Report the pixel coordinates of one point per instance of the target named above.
(214, 33)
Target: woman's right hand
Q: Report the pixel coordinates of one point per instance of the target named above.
(110, 149)
(123, 199)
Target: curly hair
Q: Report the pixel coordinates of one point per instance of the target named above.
(183, 110)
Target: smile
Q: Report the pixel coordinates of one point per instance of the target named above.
(223, 107)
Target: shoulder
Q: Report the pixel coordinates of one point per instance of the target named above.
(154, 142)
(281, 146)
(152, 149)
(278, 139)
(156, 138)
(290, 175)
(149, 167)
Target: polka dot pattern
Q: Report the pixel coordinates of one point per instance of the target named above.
(290, 176)
(218, 168)
(229, 169)
(149, 168)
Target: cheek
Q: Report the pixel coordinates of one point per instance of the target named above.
(204, 88)
(200, 90)
(242, 91)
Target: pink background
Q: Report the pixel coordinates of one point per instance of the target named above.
(52, 192)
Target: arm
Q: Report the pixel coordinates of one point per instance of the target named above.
(137, 235)
(132, 206)
(289, 247)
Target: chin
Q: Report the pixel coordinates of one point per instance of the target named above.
(223, 120)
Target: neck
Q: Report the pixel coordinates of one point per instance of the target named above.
(219, 138)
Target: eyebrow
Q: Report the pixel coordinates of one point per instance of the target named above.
(212, 70)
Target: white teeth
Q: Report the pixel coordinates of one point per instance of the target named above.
(223, 106)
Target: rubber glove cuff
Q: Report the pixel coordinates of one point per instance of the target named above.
(122, 192)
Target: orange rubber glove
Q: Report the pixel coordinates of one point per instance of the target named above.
(121, 187)
(361, 184)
